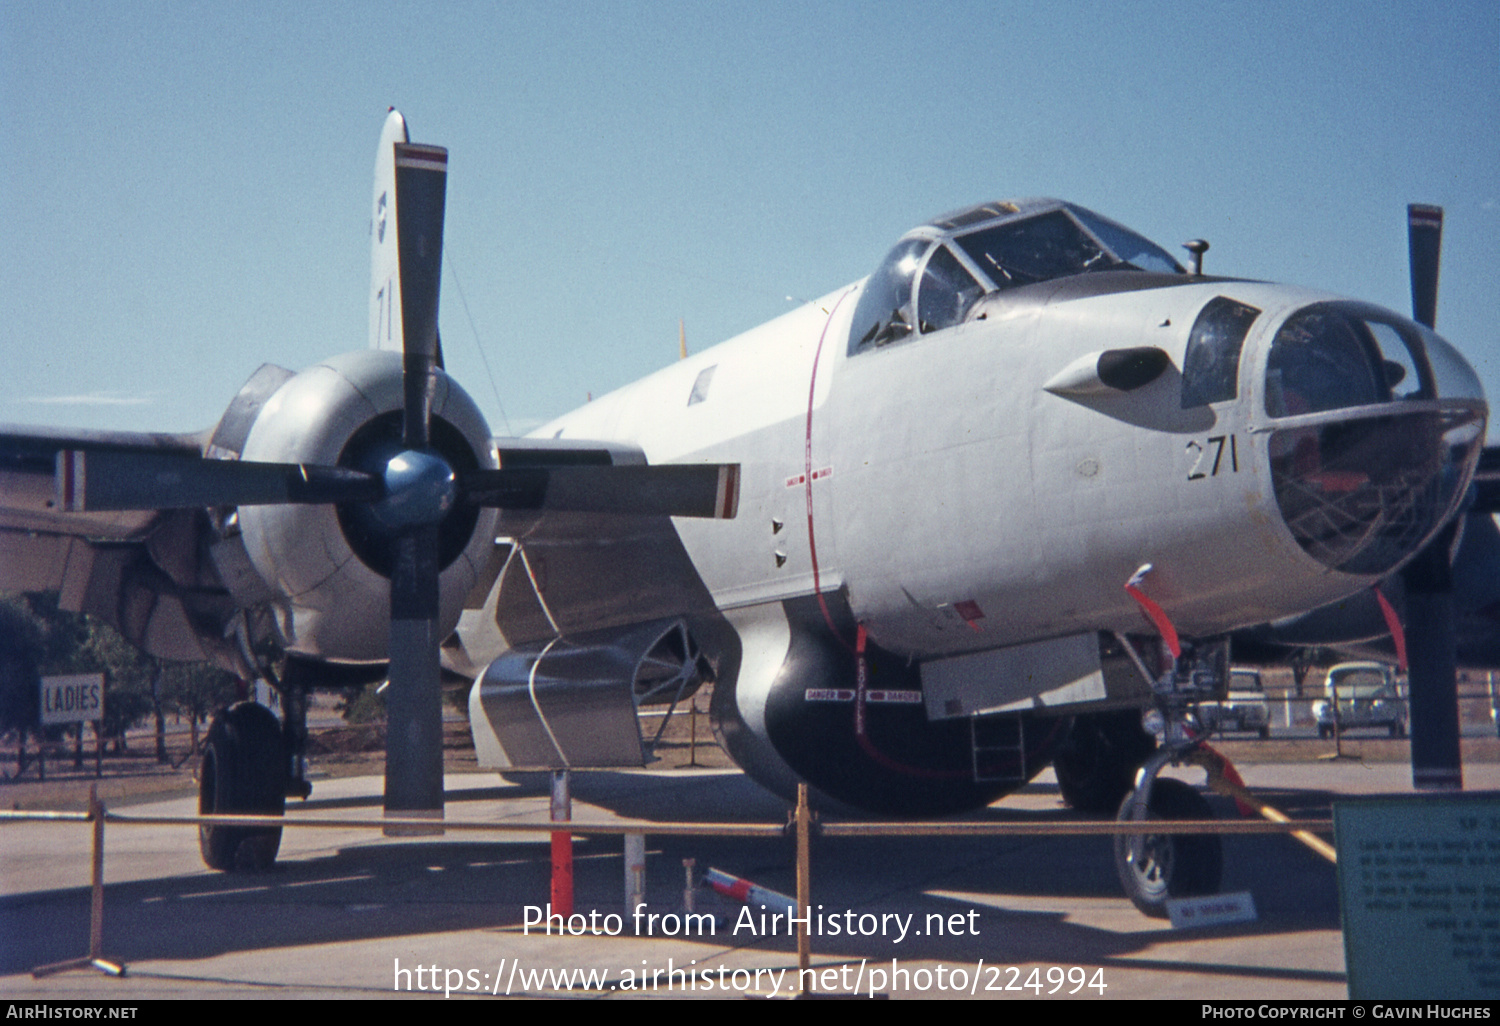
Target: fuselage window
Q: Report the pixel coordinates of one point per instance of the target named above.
(945, 293)
(884, 313)
(1211, 367)
(1320, 361)
(1332, 356)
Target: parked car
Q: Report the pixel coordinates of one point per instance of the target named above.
(1368, 695)
(1243, 708)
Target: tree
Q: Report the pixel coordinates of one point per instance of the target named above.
(36, 637)
(68, 642)
(197, 690)
(361, 704)
(21, 648)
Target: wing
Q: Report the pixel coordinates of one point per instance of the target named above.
(139, 571)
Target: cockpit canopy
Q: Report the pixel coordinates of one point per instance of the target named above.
(936, 273)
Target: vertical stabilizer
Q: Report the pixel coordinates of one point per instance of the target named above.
(385, 259)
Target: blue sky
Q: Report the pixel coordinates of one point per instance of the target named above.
(186, 185)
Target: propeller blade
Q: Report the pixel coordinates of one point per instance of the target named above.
(1424, 238)
(421, 191)
(94, 480)
(414, 723)
(681, 490)
(414, 699)
(1431, 637)
(1432, 653)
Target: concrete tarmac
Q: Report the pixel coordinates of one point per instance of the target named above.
(349, 913)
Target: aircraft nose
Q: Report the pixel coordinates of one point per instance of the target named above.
(1376, 425)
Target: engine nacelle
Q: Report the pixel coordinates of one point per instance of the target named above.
(327, 567)
(802, 707)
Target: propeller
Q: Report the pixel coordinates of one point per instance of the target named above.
(409, 489)
(1430, 633)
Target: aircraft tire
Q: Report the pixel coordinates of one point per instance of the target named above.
(243, 771)
(1097, 763)
(1173, 865)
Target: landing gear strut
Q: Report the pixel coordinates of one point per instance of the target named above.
(244, 770)
(1154, 868)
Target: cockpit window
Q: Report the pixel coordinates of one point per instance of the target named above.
(1136, 250)
(1211, 366)
(884, 313)
(936, 275)
(1050, 245)
(945, 293)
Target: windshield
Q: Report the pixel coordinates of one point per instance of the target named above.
(1363, 680)
(1047, 246)
(1060, 242)
(1135, 250)
(883, 314)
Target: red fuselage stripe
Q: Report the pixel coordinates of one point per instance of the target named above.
(812, 391)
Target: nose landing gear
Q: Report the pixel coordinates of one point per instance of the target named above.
(1154, 868)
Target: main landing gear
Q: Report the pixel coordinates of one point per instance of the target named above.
(244, 770)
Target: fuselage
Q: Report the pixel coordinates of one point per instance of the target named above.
(950, 470)
(961, 504)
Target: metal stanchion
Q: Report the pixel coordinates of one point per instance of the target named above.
(689, 901)
(693, 736)
(95, 958)
(736, 888)
(804, 887)
(635, 871)
(562, 845)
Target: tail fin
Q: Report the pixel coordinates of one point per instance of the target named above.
(385, 261)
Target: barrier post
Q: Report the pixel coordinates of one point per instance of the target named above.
(804, 887)
(95, 958)
(689, 895)
(635, 872)
(96, 887)
(562, 845)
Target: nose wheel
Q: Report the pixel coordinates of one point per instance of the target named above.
(1154, 868)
